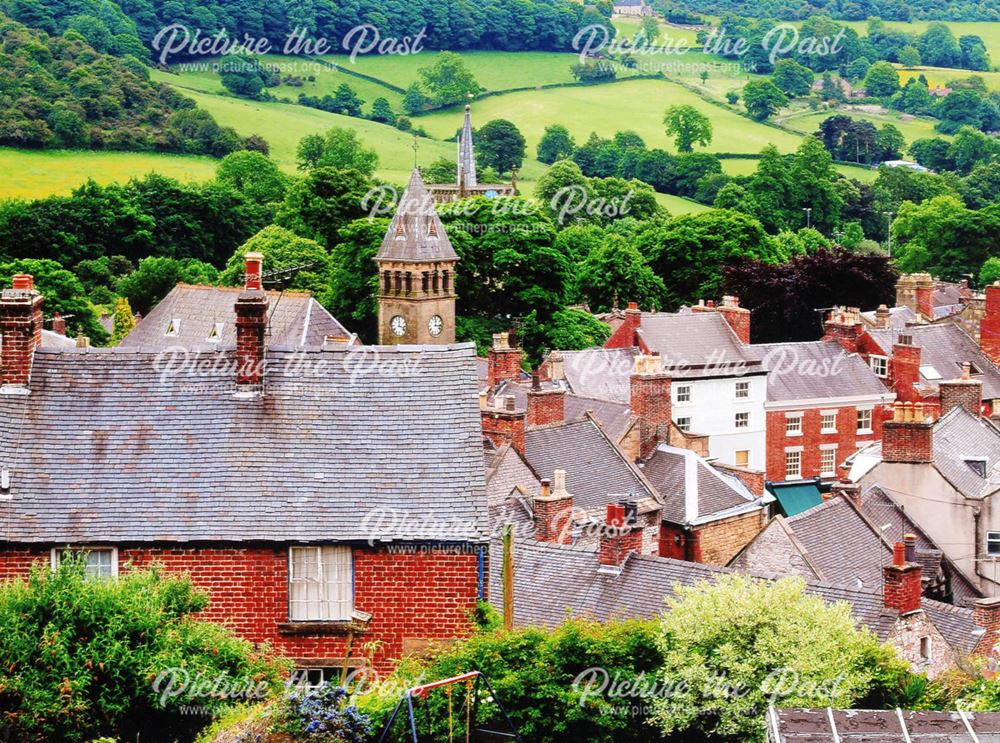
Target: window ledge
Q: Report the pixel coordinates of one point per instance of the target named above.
(865, 432)
(340, 627)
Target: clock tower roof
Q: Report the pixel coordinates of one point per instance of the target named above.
(416, 233)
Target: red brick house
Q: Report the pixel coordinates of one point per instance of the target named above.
(307, 490)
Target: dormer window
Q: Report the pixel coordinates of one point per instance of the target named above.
(977, 465)
(432, 230)
(215, 334)
(173, 328)
(400, 232)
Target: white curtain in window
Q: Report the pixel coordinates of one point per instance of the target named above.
(320, 583)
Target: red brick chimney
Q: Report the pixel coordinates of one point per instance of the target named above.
(737, 317)
(924, 291)
(618, 538)
(843, 325)
(909, 437)
(20, 329)
(545, 407)
(504, 422)
(251, 327)
(58, 324)
(553, 511)
(989, 325)
(503, 360)
(964, 392)
(649, 398)
(905, 368)
(901, 586)
(986, 614)
(624, 336)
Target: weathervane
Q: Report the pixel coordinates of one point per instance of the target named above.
(416, 146)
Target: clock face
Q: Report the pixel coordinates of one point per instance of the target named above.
(398, 325)
(435, 324)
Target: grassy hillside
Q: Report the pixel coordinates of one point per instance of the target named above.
(941, 76)
(989, 32)
(34, 173)
(678, 205)
(606, 109)
(912, 127)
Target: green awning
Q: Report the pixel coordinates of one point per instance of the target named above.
(794, 498)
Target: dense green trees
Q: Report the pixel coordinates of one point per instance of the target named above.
(157, 275)
(340, 147)
(882, 80)
(763, 99)
(792, 78)
(555, 144)
(688, 126)
(499, 145)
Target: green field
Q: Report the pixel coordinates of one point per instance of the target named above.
(939, 77)
(678, 205)
(911, 127)
(637, 105)
(37, 173)
(989, 32)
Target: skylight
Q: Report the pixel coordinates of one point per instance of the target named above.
(929, 372)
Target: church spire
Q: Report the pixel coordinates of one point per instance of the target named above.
(466, 155)
(416, 232)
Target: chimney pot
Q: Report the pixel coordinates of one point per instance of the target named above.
(58, 324)
(546, 488)
(909, 547)
(536, 382)
(899, 554)
(254, 274)
(23, 282)
(559, 478)
(509, 402)
(633, 306)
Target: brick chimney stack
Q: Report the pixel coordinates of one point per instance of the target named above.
(553, 511)
(58, 324)
(964, 392)
(989, 325)
(909, 437)
(625, 335)
(251, 327)
(901, 588)
(905, 368)
(545, 406)
(883, 318)
(986, 614)
(618, 539)
(503, 360)
(21, 331)
(923, 290)
(843, 325)
(649, 398)
(504, 422)
(737, 317)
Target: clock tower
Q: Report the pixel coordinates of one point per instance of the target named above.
(416, 265)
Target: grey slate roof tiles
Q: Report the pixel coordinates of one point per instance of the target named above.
(960, 437)
(105, 449)
(416, 232)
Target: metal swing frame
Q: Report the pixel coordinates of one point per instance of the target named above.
(421, 692)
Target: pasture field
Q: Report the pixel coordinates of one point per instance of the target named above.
(912, 127)
(678, 205)
(33, 174)
(940, 77)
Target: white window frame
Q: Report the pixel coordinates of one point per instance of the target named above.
(687, 392)
(55, 557)
(215, 333)
(793, 424)
(797, 451)
(175, 326)
(741, 420)
(295, 585)
(823, 415)
(993, 538)
(879, 365)
(824, 452)
(742, 390)
(871, 419)
(683, 423)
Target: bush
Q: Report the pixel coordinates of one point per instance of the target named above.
(82, 657)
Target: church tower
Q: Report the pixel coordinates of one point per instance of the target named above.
(416, 264)
(466, 157)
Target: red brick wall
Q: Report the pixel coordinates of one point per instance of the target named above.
(251, 322)
(624, 336)
(739, 320)
(910, 442)
(902, 587)
(504, 426)
(989, 326)
(649, 398)
(503, 364)
(905, 367)
(21, 328)
(546, 407)
(846, 438)
(248, 588)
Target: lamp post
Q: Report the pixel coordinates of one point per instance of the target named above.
(808, 210)
(888, 231)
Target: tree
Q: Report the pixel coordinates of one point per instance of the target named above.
(914, 98)
(317, 206)
(124, 321)
(500, 145)
(971, 147)
(792, 78)
(858, 68)
(254, 175)
(938, 47)
(714, 634)
(414, 100)
(346, 101)
(690, 168)
(990, 272)
(890, 142)
(382, 111)
(63, 293)
(763, 99)
(933, 153)
(962, 108)
(688, 126)
(943, 237)
(353, 288)
(784, 297)
(243, 75)
(555, 144)
(282, 250)
(339, 148)
(649, 27)
(157, 275)
(448, 80)
(557, 184)
(882, 80)
(617, 269)
(120, 645)
(974, 53)
(909, 56)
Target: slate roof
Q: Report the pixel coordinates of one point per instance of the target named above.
(466, 153)
(881, 509)
(615, 417)
(898, 316)
(944, 347)
(600, 373)
(416, 233)
(715, 494)
(597, 473)
(959, 437)
(111, 446)
(296, 320)
(819, 370)
(52, 339)
(552, 581)
(702, 340)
